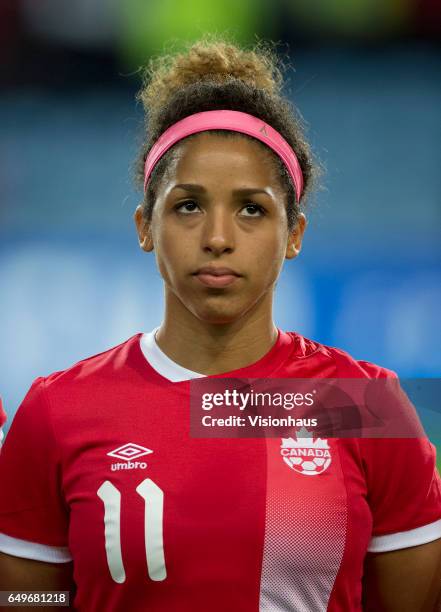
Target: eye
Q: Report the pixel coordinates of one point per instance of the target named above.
(253, 210)
(187, 208)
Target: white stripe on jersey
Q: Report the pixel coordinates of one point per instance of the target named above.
(33, 550)
(405, 539)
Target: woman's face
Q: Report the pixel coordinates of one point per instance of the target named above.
(221, 205)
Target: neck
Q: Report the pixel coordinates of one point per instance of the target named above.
(210, 348)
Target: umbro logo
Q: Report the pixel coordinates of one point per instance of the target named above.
(128, 452)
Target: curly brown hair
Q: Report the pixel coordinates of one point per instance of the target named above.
(217, 75)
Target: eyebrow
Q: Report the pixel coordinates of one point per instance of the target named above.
(200, 189)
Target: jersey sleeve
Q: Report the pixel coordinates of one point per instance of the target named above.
(404, 492)
(33, 512)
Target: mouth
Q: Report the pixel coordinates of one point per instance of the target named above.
(216, 277)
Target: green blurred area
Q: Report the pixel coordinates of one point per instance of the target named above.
(151, 28)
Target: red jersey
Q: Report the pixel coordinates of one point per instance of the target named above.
(99, 467)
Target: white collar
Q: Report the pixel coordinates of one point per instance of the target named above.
(160, 362)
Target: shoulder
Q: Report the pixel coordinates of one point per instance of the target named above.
(85, 390)
(99, 366)
(338, 361)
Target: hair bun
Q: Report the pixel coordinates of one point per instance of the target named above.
(209, 60)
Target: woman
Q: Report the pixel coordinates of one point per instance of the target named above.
(104, 487)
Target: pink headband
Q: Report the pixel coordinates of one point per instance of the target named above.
(234, 121)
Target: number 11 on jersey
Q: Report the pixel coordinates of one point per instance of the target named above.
(153, 498)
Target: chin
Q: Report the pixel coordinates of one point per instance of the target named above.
(217, 316)
(224, 314)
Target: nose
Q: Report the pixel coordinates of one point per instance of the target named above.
(218, 231)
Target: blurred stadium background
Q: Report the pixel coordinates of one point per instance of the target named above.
(367, 80)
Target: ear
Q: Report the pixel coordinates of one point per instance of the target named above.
(295, 238)
(143, 229)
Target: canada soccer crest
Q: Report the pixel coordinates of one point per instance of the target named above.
(304, 454)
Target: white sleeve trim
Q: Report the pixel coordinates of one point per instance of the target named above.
(33, 550)
(405, 539)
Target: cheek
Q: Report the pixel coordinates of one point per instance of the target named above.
(172, 251)
(268, 256)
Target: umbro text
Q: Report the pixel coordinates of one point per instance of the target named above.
(128, 465)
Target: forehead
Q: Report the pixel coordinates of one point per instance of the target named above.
(224, 156)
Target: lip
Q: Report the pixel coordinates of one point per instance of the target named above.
(217, 271)
(212, 276)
